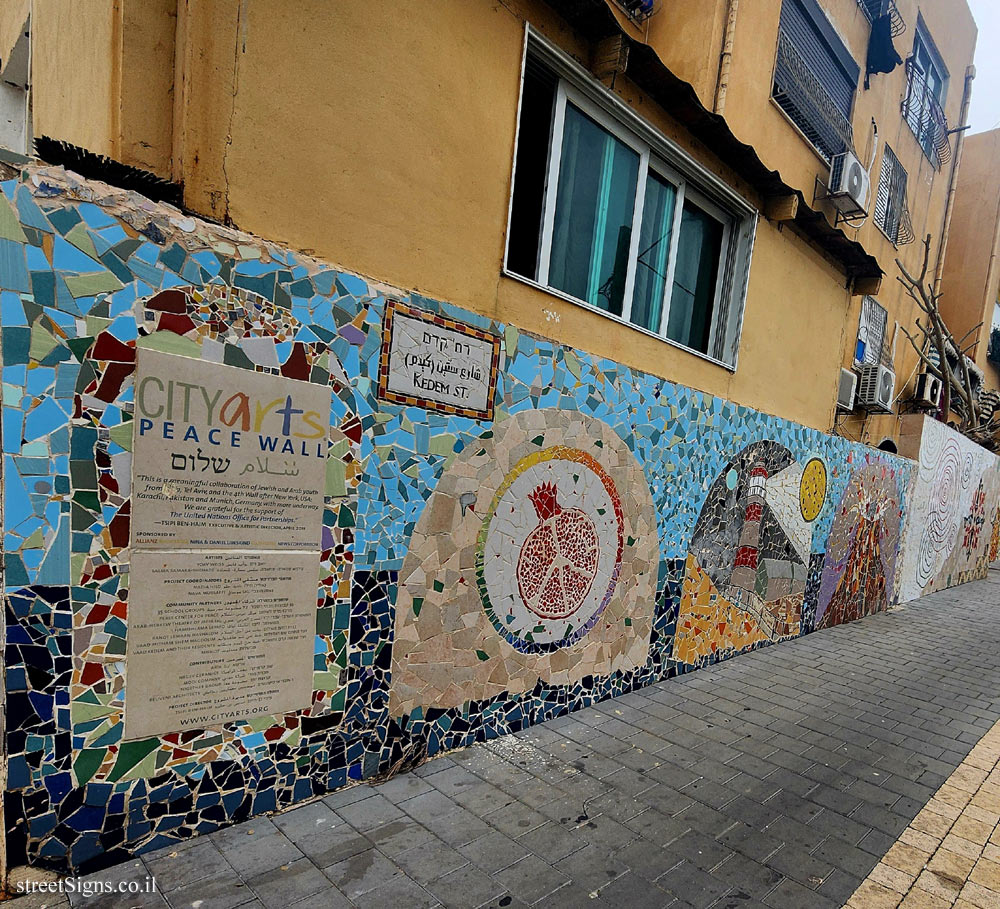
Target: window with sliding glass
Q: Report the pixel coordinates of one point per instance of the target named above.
(609, 216)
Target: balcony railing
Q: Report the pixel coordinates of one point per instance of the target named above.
(874, 9)
(923, 111)
(808, 103)
(638, 10)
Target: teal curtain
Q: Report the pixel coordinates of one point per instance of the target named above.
(695, 272)
(595, 201)
(654, 251)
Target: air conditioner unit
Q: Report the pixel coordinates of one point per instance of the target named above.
(876, 386)
(847, 389)
(928, 392)
(850, 183)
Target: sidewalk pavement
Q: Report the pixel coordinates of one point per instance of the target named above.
(779, 778)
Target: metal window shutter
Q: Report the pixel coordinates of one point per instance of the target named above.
(817, 54)
(882, 197)
(897, 202)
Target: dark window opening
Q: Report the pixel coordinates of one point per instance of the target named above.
(695, 276)
(534, 135)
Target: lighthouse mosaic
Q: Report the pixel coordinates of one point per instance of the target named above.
(748, 564)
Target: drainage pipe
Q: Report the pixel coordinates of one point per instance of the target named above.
(970, 75)
(726, 58)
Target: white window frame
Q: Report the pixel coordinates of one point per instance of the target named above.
(667, 160)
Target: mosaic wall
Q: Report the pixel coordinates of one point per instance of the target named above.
(956, 490)
(603, 530)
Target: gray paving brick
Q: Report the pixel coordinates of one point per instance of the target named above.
(174, 868)
(398, 789)
(398, 836)
(846, 856)
(632, 890)
(483, 798)
(429, 860)
(694, 886)
(221, 890)
(593, 866)
(398, 891)
(569, 896)
(707, 820)
(750, 812)
(879, 818)
(361, 873)
(701, 850)
(743, 874)
(260, 848)
(370, 813)
(284, 885)
(331, 898)
(465, 888)
(835, 824)
(353, 794)
(531, 879)
(877, 842)
(795, 833)
(493, 852)
(709, 792)
(799, 865)
(839, 886)
(428, 805)
(794, 806)
(552, 841)
(134, 870)
(749, 842)
(458, 827)
(649, 859)
(616, 805)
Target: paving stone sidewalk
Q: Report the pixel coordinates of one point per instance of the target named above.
(777, 778)
(950, 854)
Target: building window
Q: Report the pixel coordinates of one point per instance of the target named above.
(891, 214)
(871, 333)
(993, 346)
(923, 105)
(610, 215)
(815, 77)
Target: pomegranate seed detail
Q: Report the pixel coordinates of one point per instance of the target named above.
(558, 560)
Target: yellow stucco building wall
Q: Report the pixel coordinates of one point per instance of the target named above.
(381, 137)
(971, 287)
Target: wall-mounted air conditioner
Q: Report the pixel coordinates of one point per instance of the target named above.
(850, 184)
(876, 387)
(847, 389)
(928, 393)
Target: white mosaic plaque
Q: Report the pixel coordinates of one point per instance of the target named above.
(216, 637)
(437, 363)
(224, 457)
